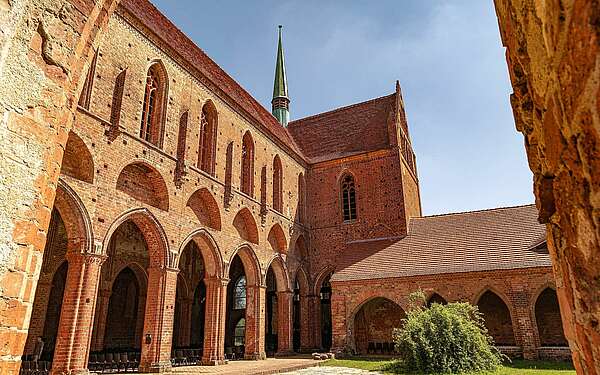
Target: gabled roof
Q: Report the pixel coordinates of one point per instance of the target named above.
(345, 131)
(149, 16)
(487, 240)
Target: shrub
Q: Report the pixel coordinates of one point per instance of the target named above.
(445, 339)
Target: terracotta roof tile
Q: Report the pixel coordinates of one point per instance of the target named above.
(345, 131)
(495, 239)
(166, 31)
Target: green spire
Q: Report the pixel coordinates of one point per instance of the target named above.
(280, 100)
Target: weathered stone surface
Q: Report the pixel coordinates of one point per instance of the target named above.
(553, 54)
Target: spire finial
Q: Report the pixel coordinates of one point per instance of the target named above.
(280, 102)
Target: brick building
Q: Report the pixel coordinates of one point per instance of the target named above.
(188, 217)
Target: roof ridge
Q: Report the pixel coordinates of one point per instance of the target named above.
(339, 109)
(475, 211)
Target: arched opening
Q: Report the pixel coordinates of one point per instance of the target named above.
(136, 248)
(348, 192)
(271, 309)
(154, 105)
(302, 337)
(436, 298)
(277, 239)
(190, 307)
(247, 173)
(497, 318)
(124, 313)
(326, 326)
(55, 299)
(207, 138)
(235, 338)
(77, 160)
(144, 183)
(374, 323)
(548, 319)
(205, 209)
(300, 248)
(245, 225)
(277, 184)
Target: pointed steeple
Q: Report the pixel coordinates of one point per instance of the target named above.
(281, 101)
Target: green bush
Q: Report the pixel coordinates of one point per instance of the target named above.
(445, 339)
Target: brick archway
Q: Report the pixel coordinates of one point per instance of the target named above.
(246, 226)
(371, 325)
(205, 208)
(277, 239)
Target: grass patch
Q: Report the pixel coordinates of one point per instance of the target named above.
(515, 368)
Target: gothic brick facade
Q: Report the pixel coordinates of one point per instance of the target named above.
(187, 217)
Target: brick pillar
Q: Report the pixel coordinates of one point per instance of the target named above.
(255, 322)
(38, 315)
(308, 322)
(101, 314)
(72, 348)
(284, 323)
(342, 337)
(158, 320)
(315, 307)
(213, 352)
(523, 325)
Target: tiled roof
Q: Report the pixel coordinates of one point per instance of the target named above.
(345, 131)
(167, 32)
(487, 240)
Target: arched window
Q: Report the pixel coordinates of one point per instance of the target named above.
(277, 185)
(153, 105)
(208, 135)
(348, 198)
(247, 178)
(239, 336)
(239, 293)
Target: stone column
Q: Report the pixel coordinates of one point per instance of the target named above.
(72, 348)
(213, 352)
(255, 322)
(284, 323)
(158, 320)
(102, 313)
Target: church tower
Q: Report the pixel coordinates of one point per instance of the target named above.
(280, 102)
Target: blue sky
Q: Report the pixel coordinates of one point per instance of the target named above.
(446, 54)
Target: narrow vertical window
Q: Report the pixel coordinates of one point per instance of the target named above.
(277, 184)
(348, 198)
(247, 177)
(86, 92)
(181, 138)
(263, 190)
(207, 138)
(117, 100)
(228, 172)
(153, 106)
(300, 211)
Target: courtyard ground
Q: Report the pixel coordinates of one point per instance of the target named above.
(382, 366)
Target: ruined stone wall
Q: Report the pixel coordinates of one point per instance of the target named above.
(44, 48)
(554, 63)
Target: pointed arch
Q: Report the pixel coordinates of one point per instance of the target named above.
(325, 273)
(277, 239)
(207, 138)
(303, 281)
(153, 232)
(548, 319)
(497, 317)
(246, 226)
(211, 255)
(205, 208)
(436, 298)
(386, 312)
(300, 250)
(250, 262)
(282, 279)
(77, 160)
(277, 184)
(144, 183)
(247, 172)
(74, 216)
(154, 106)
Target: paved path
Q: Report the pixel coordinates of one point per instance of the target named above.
(269, 366)
(325, 370)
